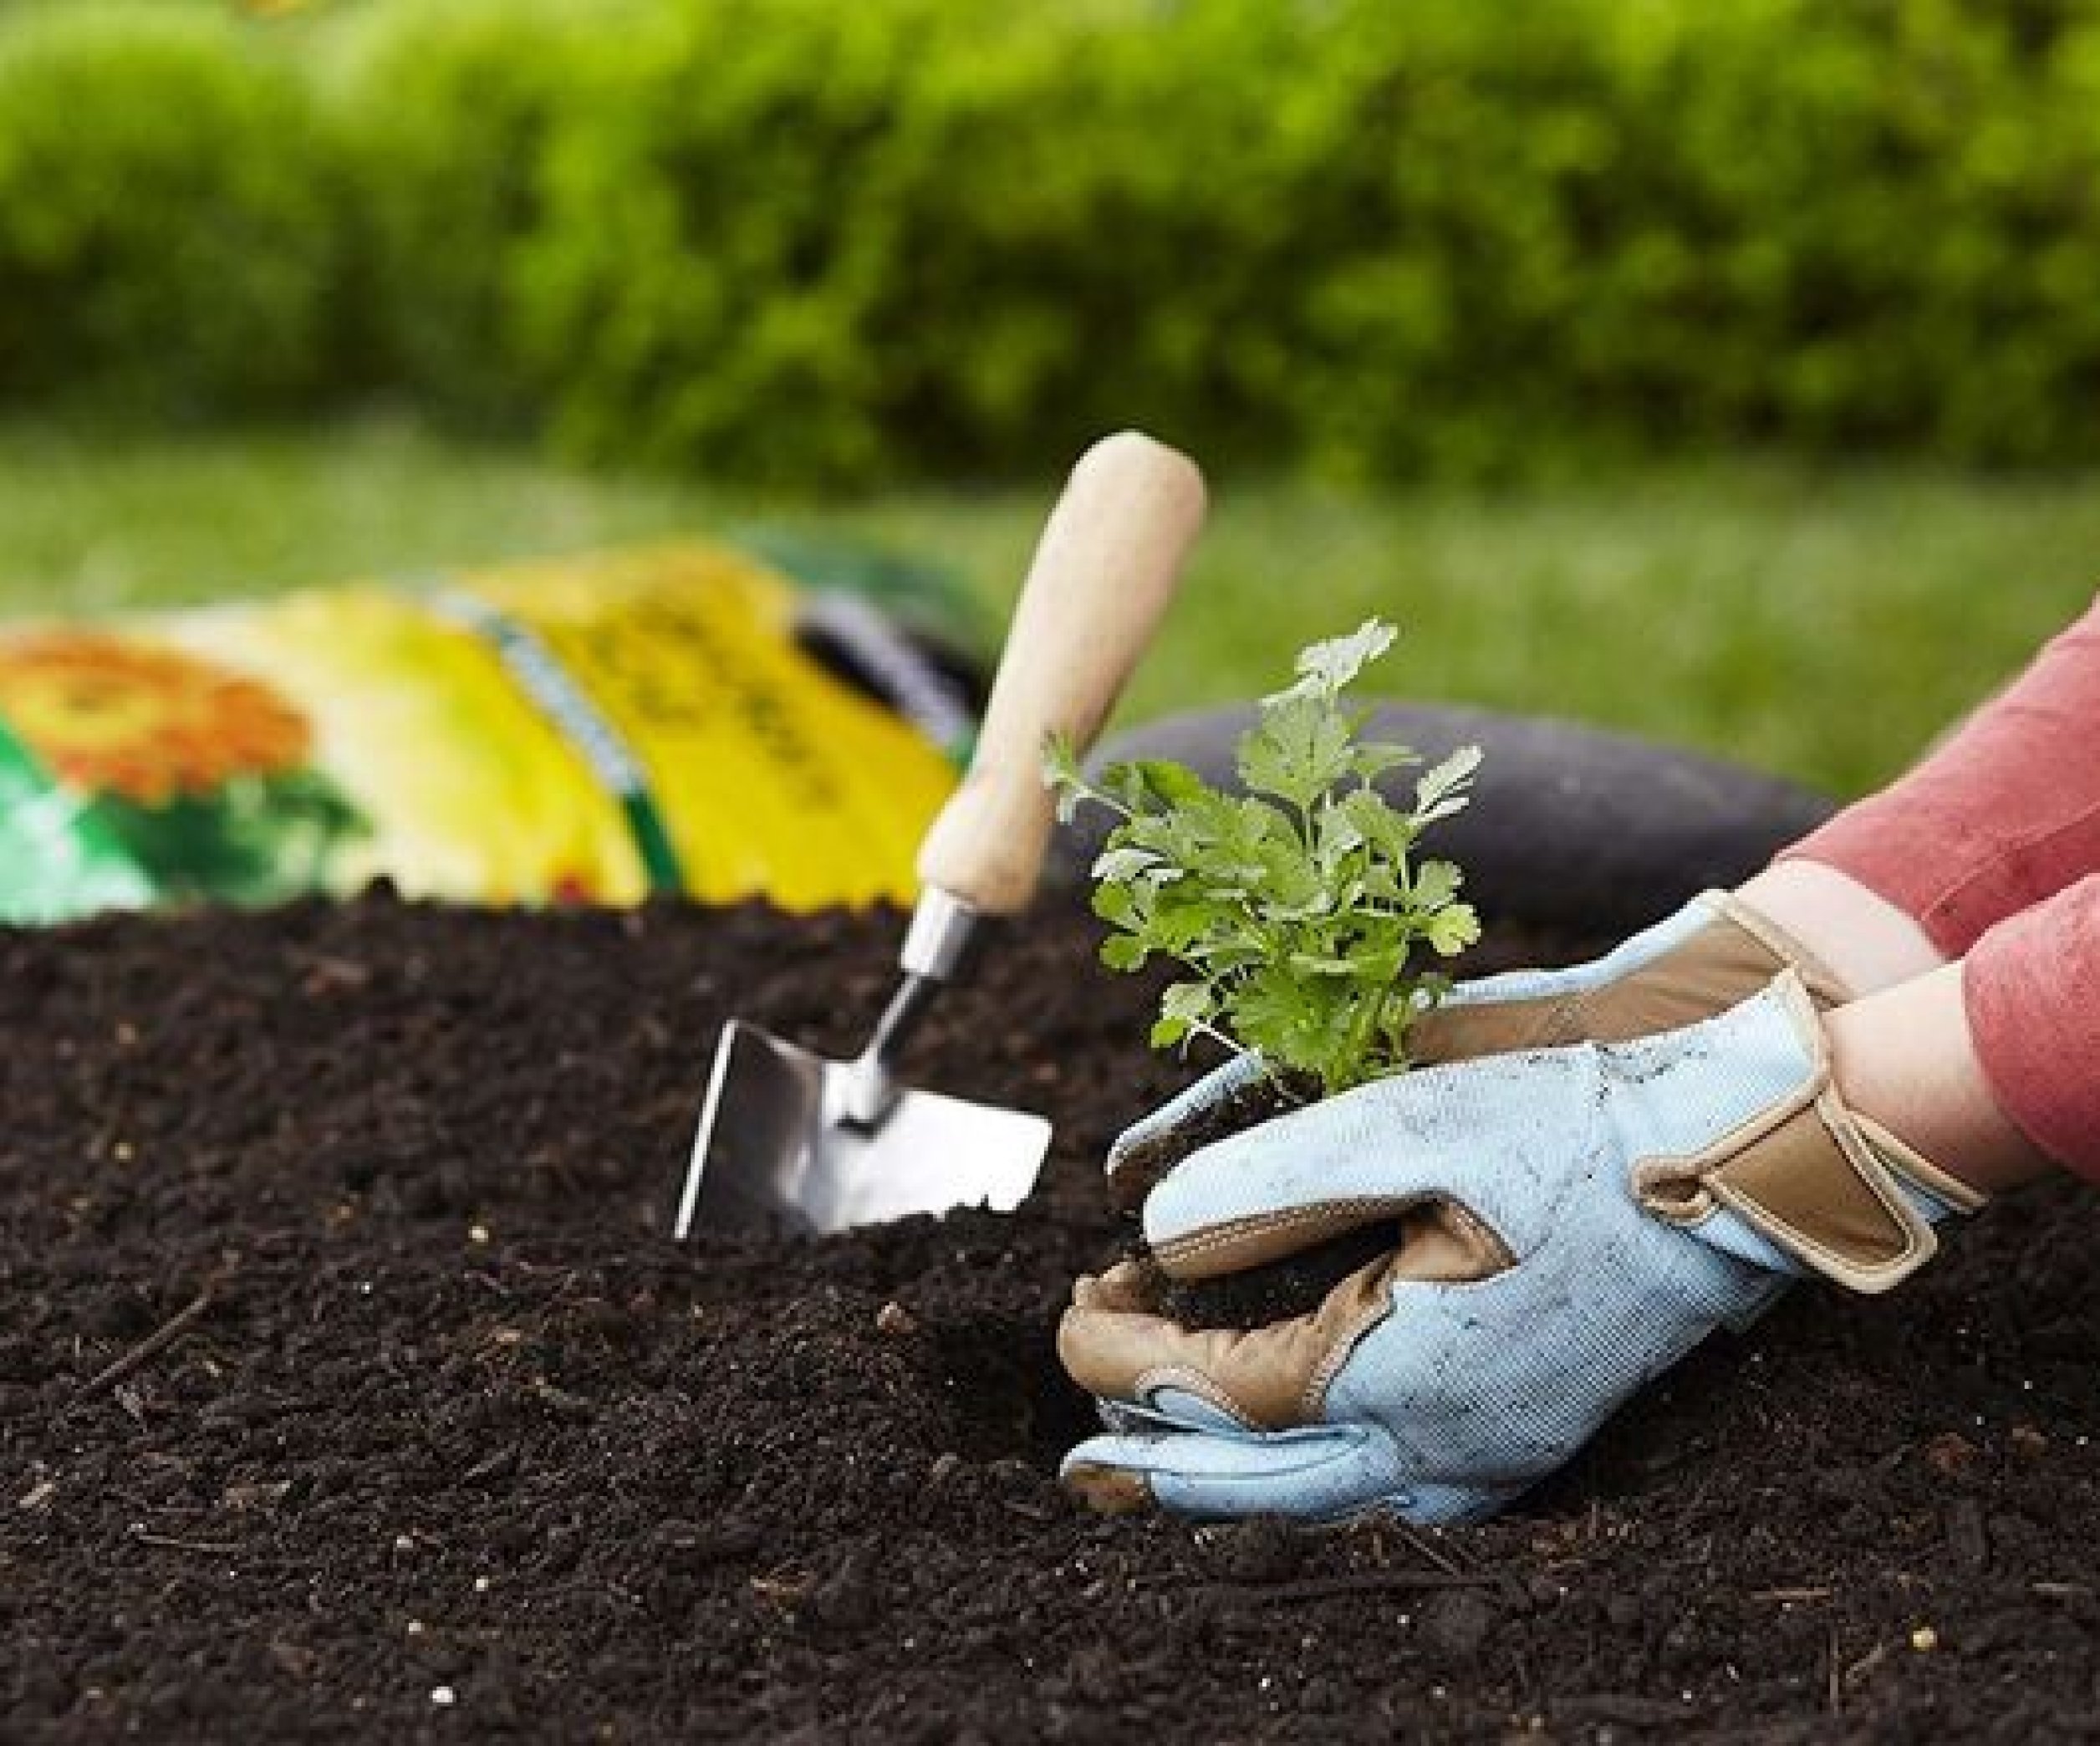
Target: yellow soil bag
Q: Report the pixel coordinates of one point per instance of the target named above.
(683, 719)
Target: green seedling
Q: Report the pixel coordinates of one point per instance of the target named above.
(1301, 909)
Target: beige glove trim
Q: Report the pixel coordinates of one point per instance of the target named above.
(1826, 987)
(1818, 1180)
(1234, 1245)
(1732, 957)
(1920, 1170)
(1114, 1343)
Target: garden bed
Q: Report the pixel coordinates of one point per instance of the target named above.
(344, 1392)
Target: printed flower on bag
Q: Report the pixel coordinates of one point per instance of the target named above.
(143, 720)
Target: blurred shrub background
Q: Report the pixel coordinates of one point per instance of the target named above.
(1381, 239)
(173, 234)
(1729, 372)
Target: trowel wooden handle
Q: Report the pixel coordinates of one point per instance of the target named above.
(1109, 562)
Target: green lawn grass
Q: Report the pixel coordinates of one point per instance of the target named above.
(1820, 623)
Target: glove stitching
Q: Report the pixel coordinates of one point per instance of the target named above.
(1654, 1170)
(1313, 1401)
(1212, 1237)
(1703, 1169)
(1699, 1168)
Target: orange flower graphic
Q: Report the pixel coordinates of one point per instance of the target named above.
(142, 719)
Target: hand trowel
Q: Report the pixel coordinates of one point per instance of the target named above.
(791, 1140)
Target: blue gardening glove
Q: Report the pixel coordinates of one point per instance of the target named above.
(1712, 953)
(1585, 1216)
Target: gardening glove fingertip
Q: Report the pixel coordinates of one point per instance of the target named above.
(1105, 1485)
(1143, 1153)
(1372, 1156)
(1129, 1285)
(1326, 1473)
(1118, 1347)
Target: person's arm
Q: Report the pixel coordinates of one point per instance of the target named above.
(1867, 942)
(2002, 814)
(1908, 1058)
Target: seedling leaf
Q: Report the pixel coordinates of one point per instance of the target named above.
(1298, 907)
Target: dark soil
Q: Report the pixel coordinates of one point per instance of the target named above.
(345, 1394)
(1280, 1291)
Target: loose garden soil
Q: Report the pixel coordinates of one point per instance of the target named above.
(346, 1392)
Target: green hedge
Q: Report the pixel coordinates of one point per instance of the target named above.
(811, 242)
(444, 112)
(170, 217)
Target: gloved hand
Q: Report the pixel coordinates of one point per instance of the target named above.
(1701, 961)
(1585, 1215)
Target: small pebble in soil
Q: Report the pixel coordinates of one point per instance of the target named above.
(1950, 1454)
(1459, 1623)
(1924, 1640)
(477, 1233)
(845, 1599)
(444, 1697)
(892, 1319)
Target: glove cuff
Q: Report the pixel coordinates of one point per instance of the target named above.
(1825, 987)
(1833, 1190)
(1711, 954)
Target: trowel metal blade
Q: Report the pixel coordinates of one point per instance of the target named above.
(773, 1153)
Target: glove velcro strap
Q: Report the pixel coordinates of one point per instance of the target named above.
(1837, 1192)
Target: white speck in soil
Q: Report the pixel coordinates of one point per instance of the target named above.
(444, 1697)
